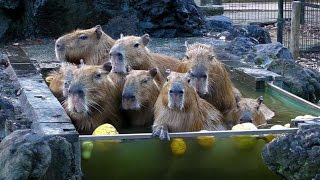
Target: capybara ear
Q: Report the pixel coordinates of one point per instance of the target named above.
(121, 36)
(98, 31)
(186, 44)
(167, 73)
(238, 101)
(145, 39)
(107, 66)
(259, 101)
(211, 57)
(128, 68)
(153, 72)
(81, 64)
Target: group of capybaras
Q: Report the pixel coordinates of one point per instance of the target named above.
(121, 82)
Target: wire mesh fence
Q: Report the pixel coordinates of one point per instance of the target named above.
(266, 12)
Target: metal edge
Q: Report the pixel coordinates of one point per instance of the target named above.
(286, 93)
(189, 134)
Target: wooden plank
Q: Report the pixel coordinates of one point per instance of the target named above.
(295, 29)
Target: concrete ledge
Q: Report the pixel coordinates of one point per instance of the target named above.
(39, 104)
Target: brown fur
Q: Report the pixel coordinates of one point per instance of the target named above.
(102, 97)
(140, 58)
(197, 114)
(221, 92)
(56, 80)
(146, 87)
(94, 50)
(260, 113)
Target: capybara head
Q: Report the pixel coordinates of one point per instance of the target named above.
(200, 58)
(248, 110)
(141, 89)
(92, 45)
(177, 93)
(85, 89)
(127, 51)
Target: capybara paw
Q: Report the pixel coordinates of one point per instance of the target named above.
(161, 132)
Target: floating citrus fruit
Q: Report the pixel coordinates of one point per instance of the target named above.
(105, 129)
(244, 141)
(178, 146)
(206, 141)
(86, 149)
(270, 137)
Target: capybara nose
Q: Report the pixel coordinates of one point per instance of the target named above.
(76, 89)
(117, 55)
(128, 96)
(175, 91)
(246, 117)
(60, 46)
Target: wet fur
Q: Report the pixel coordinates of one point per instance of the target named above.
(94, 51)
(147, 95)
(196, 115)
(260, 116)
(221, 92)
(104, 97)
(141, 58)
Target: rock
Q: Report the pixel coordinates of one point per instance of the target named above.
(24, 155)
(298, 80)
(254, 31)
(62, 165)
(9, 4)
(169, 18)
(52, 18)
(219, 23)
(295, 155)
(6, 113)
(126, 23)
(4, 25)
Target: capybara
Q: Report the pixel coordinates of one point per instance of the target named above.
(58, 80)
(209, 77)
(132, 51)
(139, 95)
(92, 45)
(250, 110)
(93, 98)
(179, 108)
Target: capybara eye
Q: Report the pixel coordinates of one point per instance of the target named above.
(187, 56)
(167, 79)
(136, 45)
(188, 80)
(204, 76)
(144, 81)
(83, 37)
(98, 76)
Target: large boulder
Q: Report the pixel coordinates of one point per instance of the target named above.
(299, 80)
(254, 31)
(52, 18)
(6, 113)
(9, 4)
(24, 155)
(169, 18)
(295, 155)
(63, 160)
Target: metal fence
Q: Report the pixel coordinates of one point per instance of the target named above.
(276, 16)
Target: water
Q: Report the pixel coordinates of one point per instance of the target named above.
(153, 159)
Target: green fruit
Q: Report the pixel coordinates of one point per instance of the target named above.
(86, 149)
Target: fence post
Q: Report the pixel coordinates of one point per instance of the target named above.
(302, 12)
(280, 22)
(295, 29)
